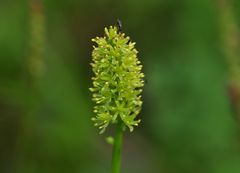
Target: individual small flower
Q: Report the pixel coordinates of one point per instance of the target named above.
(117, 80)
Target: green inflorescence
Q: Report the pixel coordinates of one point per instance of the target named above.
(117, 80)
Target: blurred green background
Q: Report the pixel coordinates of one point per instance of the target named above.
(188, 123)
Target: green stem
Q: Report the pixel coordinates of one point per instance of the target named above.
(117, 147)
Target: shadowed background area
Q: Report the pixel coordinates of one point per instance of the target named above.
(191, 112)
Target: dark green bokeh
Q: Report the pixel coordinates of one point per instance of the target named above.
(187, 122)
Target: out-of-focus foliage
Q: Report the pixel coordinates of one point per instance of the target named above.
(188, 123)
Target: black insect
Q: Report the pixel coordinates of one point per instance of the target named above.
(119, 25)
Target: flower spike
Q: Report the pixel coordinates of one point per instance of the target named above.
(117, 81)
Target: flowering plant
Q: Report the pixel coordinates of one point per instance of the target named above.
(118, 80)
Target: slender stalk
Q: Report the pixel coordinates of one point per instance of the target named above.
(117, 148)
(231, 44)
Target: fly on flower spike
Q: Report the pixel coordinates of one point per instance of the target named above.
(119, 25)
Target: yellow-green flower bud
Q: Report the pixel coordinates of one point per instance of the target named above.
(117, 80)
